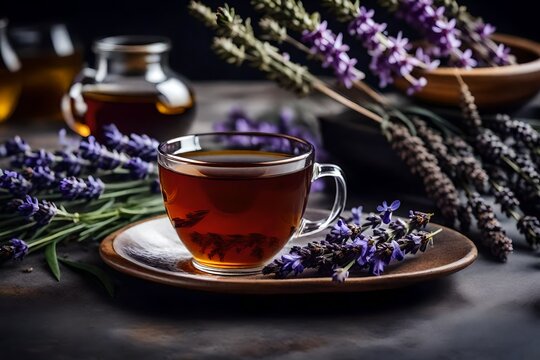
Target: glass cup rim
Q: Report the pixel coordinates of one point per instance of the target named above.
(186, 160)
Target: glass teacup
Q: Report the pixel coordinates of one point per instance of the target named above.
(236, 199)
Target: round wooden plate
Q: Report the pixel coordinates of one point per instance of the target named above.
(151, 250)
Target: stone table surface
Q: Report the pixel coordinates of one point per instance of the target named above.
(487, 311)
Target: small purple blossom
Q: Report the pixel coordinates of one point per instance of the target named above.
(292, 263)
(15, 183)
(466, 60)
(340, 231)
(19, 248)
(389, 55)
(47, 210)
(501, 55)
(377, 266)
(15, 146)
(134, 145)
(74, 188)
(139, 169)
(28, 207)
(484, 30)
(101, 157)
(42, 177)
(367, 249)
(69, 163)
(36, 158)
(330, 47)
(417, 85)
(387, 210)
(397, 253)
(357, 215)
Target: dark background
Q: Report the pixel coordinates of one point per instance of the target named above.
(191, 53)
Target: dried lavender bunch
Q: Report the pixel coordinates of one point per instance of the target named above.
(520, 131)
(491, 147)
(416, 156)
(462, 166)
(316, 35)
(349, 245)
(389, 55)
(493, 235)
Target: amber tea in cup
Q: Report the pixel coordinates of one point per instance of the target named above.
(236, 199)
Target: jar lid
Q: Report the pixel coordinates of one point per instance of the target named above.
(133, 44)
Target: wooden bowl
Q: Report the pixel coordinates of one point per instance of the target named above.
(492, 87)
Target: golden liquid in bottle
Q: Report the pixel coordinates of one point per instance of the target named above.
(134, 113)
(9, 93)
(45, 78)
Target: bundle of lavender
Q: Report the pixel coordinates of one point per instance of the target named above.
(456, 174)
(370, 243)
(85, 190)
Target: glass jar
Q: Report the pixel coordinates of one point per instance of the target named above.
(131, 87)
(10, 66)
(50, 60)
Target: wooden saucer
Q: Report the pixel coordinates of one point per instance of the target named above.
(151, 250)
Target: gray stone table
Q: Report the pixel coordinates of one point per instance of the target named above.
(487, 311)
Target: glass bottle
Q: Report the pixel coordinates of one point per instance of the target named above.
(10, 65)
(50, 59)
(131, 87)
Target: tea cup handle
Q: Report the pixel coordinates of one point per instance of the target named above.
(309, 227)
(73, 105)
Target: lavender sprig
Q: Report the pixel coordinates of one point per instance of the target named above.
(390, 57)
(316, 35)
(348, 245)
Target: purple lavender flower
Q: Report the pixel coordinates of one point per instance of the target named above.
(412, 243)
(71, 187)
(135, 145)
(69, 163)
(377, 266)
(28, 207)
(417, 85)
(47, 210)
(389, 54)
(484, 30)
(19, 248)
(340, 231)
(386, 210)
(501, 55)
(397, 253)
(42, 177)
(292, 263)
(465, 60)
(439, 31)
(367, 249)
(398, 227)
(139, 169)
(15, 146)
(104, 159)
(40, 157)
(75, 188)
(340, 275)
(15, 183)
(330, 47)
(357, 215)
